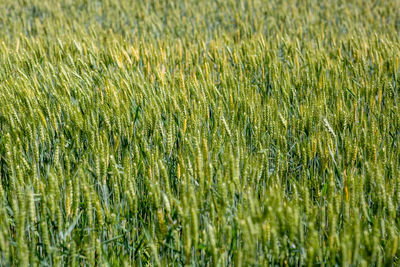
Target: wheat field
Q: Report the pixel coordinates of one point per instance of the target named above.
(199, 133)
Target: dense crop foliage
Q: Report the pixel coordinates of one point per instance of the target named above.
(199, 132)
